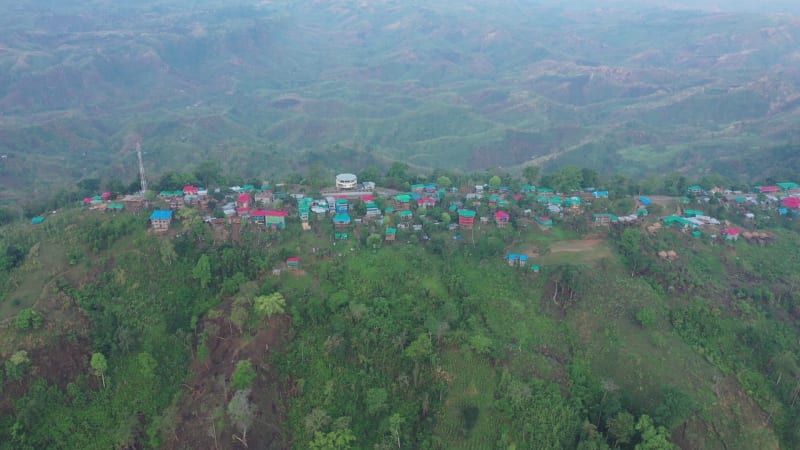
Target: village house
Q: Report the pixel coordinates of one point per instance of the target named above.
(275, 219)
(466, 218)
(501, 218)
(731, 233)
(402, 201)
(160, 219)
(341, 221)
(603, 219)
(544, 222)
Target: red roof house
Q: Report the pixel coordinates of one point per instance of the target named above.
(501, 218)
(426, 202)
(190, 190)
(243, 200)
(731, 233)
(105, 195)
(768, 189)
(276, 219)
(791, 202)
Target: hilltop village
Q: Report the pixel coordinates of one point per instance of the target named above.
(353, 209)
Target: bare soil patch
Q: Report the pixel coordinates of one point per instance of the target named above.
(202, 419)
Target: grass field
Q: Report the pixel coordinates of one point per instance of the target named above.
(466, 421)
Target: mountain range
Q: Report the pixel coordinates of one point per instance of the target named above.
(274, 86)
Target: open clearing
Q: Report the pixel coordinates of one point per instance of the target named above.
(572, 251)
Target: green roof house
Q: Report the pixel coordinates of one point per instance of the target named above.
(692, 213)
(676, 221)
(544, 221)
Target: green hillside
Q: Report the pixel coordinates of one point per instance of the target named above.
(635, 334)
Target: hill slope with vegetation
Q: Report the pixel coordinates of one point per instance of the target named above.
(627, 336)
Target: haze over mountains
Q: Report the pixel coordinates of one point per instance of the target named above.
(275, 85)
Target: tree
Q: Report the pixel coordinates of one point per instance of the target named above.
(374, 240)
(28, 319)
(495, 182)
(398, 170)
(167, 251)
(335, 440)
(653, 438)
(446, 218)
(395, 422)
(444, 182)
(208, 172)
(317, 420)
(241, 413)
(267, 305)
(243, 376)
(675, 408)
(621, 427)
(567, 179)
(531, 173)
(99, 366)
(480, 344)
(202, 271)
(647, 317)
(376, 400)
(589, 178)
(420, 349)
(16, 365)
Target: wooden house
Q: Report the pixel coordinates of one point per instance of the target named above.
(391, 234)
(406, 215)
(293, 262)
(466, 218)
(160, 219)
(341, 221)
(38, 220)
(402, 201)
(694, 190)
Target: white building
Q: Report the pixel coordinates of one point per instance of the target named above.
(346, 181)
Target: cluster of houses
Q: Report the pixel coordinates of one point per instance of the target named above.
(468, 206)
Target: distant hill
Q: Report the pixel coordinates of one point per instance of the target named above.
(636, 88)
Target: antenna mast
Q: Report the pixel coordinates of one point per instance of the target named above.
(142, 179)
